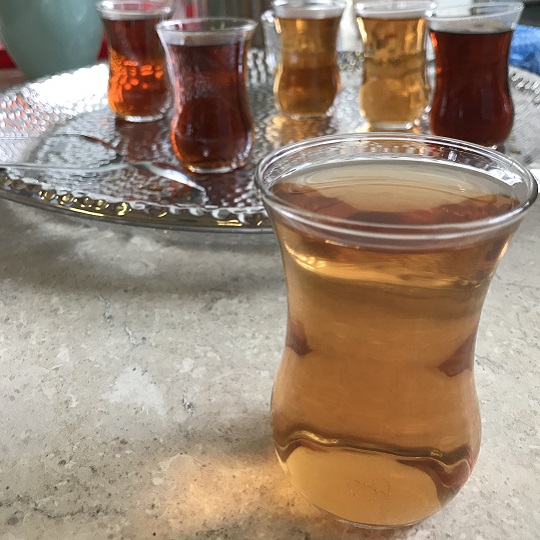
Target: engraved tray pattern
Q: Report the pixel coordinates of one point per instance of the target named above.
(35, 116)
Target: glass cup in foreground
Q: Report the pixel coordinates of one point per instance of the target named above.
(395, 91)
(212, 128)
(472, 99)
(138, 88)
(307, 78)
(389, 243)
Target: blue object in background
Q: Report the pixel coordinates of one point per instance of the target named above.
(525, 48)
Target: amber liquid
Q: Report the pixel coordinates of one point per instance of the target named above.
(472, 98)
(138, 83)
(374, 410)
(212, 128)
(307, 78)
(394, 92)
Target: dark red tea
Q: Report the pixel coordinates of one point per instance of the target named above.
(212, 128)
(472, 99)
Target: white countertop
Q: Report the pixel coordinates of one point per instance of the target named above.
(135, 375)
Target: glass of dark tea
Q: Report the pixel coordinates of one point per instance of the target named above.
(395, 91)
(472, 99)
(389, 243)
(212, 128)
(307, 78)
(138, 88)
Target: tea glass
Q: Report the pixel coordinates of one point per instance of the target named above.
(389, 243)
(212, 127)
(138, 88)
(307, 79)
(472, 99)
(395, 90)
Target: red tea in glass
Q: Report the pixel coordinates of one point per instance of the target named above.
(212, 128)
(138, 87)
(472, 98)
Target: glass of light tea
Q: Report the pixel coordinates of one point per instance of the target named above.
(138, 88)
(389, 243)
(395, 91)
(472, 99)
(212, 127)
(307, 78)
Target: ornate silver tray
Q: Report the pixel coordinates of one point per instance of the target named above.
(35, 116)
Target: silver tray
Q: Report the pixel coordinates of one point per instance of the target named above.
(34, 116)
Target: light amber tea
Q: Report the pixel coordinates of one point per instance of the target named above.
(394, 91)
(307, 78)
(374, 411)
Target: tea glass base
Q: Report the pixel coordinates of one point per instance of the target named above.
(366, 526)
(218, 170)
(367, 127)
(499, 147)
(350, 523)
(392, 126)
(308, 115)
(141, 119)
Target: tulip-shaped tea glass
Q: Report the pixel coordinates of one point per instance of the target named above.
(307, 78)
(212, 127)
(394, 92)
(389, 243)
(138, 89)
(472, 99)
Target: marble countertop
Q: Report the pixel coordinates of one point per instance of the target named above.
(135, 375)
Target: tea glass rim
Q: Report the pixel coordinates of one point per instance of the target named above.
(305, 3)
(235, 25)
(399, 232)
(389, 8)
(115, 8)
(323, 8)
(496, 10)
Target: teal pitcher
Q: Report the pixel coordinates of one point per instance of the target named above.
(45, 37)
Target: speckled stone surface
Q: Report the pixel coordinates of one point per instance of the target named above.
(135, 375)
